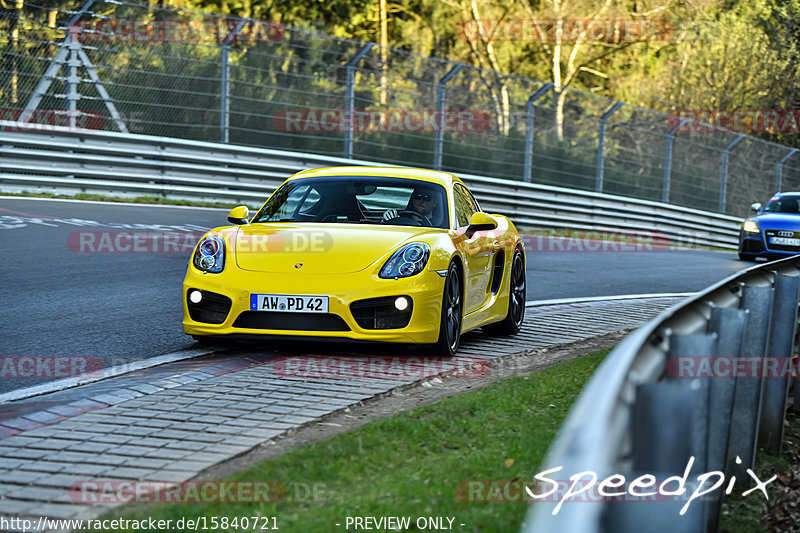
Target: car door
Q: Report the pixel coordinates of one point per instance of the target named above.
(477, 249)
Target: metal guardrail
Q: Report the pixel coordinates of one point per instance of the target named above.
(635, 416)
(239, 81)
(55, 159)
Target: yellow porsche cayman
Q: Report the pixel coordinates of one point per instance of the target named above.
(363, 253)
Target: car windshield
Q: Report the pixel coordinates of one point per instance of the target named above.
(785, 204)
(358, 200)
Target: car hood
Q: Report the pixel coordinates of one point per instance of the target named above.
(319, 248)
(778, 221)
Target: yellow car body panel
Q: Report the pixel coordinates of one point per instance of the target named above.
(343, 261)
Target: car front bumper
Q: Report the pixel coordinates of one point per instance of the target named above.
(424, 289)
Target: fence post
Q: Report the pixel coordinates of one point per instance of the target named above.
(601, 134)
(668, 161)
(526, 176)
(723, 183)
(780, 342)
(349, 99)
(779, 170)
(437, 146)
(224, 92)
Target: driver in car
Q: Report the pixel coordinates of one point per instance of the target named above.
(422, 202)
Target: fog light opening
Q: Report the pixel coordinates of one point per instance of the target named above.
(401, 303)
(195, 297)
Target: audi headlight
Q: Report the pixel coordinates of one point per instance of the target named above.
(210, 255)
(751, 226)
(407, 261)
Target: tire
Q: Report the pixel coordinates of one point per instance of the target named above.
(515, 315)
(452, 314)
(747, 257)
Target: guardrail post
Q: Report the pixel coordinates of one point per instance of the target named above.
(224, 92)
(728, 324)
(668, 161)
(601, 145)
(662, 433)
(779, 170)
(723, 182)
(528, 169)
(439, 134)
(349, 98)
(757, 302)
(780, 342)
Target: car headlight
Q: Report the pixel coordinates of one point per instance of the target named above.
(751, 226)
(407, 261)
(210, 255)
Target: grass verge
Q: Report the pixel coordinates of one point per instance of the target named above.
(411, 464)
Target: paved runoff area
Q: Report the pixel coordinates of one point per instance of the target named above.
(168, 423)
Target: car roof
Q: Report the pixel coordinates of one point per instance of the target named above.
(442, 178)
(782, 194)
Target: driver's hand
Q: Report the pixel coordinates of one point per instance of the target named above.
(390, 214)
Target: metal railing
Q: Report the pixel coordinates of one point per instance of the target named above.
(55, 159)
(638, 415)
(220, 87)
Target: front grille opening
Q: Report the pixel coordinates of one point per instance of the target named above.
(290, 321)
(381, 313)
(213, 308)
(497, 272)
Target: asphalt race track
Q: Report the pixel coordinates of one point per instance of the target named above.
(123, 307)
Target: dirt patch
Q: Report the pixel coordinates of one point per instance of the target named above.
(782, 513)
(406, 398)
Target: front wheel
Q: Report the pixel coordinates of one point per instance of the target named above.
(452, 310)
(747, 257)
(512, 323)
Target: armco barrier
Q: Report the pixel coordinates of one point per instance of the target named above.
(642, 414)
(56, 159)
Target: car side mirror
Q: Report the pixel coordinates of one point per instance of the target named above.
(480, 221)
(756, 207)
(239, 215)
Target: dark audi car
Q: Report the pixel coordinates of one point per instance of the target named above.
(774, 231)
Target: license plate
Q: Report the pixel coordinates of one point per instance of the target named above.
(784, 241)
(289, 304)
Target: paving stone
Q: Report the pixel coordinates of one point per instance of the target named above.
(240, 440)
(90, 447)
(176, 476)
(51, 467)
(22, 477)
(43, 494)
(230, 449)
(136, 451)
(136, 431)
(189, 426)
(128, 472)
(18, 507)
(186, 445)
(6, 462)
(110, 459)
(84, 469)
(54, 444)
(190, 466)
(19, 440)
(43, 417)
(22, 424)
(145, 388)
(73, 457)
(112, 439)
(171, 453)
(59, 480)
(55, 510)
(144, 462)
(23, 453)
